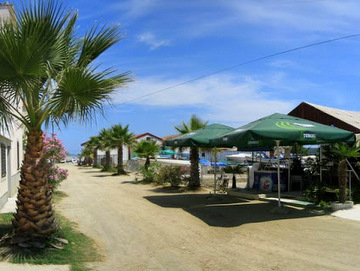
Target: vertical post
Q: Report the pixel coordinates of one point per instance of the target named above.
(320, 159)
(278, 170)
(214, 158)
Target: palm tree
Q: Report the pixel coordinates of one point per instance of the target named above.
(106, 145)
(147, 149)
(94, 144)
(238, 169)
(342, 152)
(195, 124)
(121, 136)
(50, 74)
(87, 154)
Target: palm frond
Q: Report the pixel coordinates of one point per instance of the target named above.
(195, 123)
(96, 41)
(121, 135)
(343, 150)
(81, 92)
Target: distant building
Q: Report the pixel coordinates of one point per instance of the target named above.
(127, 152)
(347, 120)
(11, 141)
(149, 137)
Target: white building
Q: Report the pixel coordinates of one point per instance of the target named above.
(11, 141)
(127, 153)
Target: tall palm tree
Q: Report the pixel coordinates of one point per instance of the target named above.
(147, 149)
(121, 136)
(106, 145)
(94, 144)
(50, 74)
(342, 152)
(195, 124)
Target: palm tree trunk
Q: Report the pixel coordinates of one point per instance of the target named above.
(342, 176)
(147, 162)
(95, 164)
(120, 166)
(34, 218)
(194, 182)
(233, 181)
(107, 161)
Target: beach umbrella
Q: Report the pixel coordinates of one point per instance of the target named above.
(289, 130)
(200, 137)
(281, 130)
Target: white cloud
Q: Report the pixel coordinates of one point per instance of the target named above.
(221, 98)
(198, 18)
(133, 9)
(311, 16)
(150, 39)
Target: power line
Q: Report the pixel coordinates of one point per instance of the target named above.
(239, 65)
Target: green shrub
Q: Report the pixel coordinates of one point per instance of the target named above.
(149, 175)
(169, 174)
(324, 203)
(315, 192)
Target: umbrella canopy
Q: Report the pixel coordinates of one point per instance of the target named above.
(288, 129)
(200, 137)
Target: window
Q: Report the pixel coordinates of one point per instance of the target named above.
(3, 160)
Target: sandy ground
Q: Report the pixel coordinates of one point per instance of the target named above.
(140, 227)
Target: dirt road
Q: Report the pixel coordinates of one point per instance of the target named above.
(140, 227)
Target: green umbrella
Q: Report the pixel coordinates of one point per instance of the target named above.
(200, 137)
(288, 129)
(278, 129)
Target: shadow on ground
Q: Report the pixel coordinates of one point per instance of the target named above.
(131, 182)
(91, 171)
(227, 211)
(169, 190)
(103, 175)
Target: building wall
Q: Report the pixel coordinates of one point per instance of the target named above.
(11, 141)
(16, 157)
(11, 156)
(7, 13)
(149, 137)
(5, 174)
(114, 155)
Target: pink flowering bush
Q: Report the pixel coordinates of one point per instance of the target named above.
(56, 176)
(54, 151)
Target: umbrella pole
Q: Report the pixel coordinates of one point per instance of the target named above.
(278, 170)
(214, 159)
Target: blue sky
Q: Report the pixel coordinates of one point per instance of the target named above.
(168, 42)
